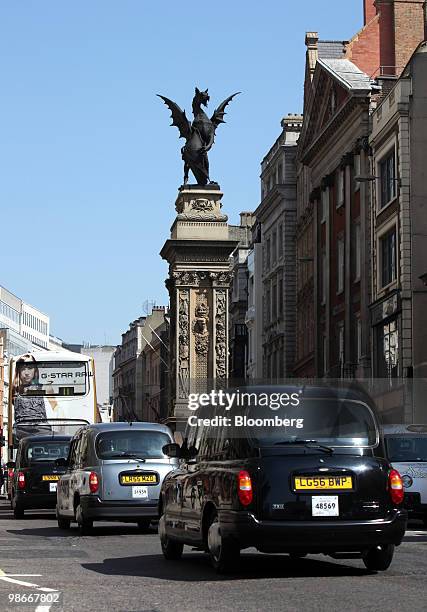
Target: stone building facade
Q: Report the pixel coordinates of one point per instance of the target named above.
(399, 245)
(254, 318)
(155, 371)
(128, 374)
(276, 216)
(238, 300)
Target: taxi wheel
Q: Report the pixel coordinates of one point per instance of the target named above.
(18, 511)
(171, 549)
(85, 524)
(224, 552)
(144, 525)
(378, 559)
(63, 523)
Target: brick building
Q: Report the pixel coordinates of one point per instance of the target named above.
(334, 210)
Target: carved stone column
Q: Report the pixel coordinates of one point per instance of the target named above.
(198, 254)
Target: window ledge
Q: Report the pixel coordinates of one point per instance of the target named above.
(383, 208)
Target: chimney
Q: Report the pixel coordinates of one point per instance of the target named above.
(369, 11)
(402, 26)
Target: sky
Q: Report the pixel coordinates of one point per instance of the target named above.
(89, 165)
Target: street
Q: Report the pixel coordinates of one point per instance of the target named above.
(121, 569)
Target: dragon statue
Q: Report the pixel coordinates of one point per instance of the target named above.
(199, 135)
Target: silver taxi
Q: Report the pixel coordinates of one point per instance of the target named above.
(406, 448)
(114, 471)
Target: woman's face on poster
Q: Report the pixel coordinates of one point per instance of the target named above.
(27, 372)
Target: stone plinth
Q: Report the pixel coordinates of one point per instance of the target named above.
(198, 254)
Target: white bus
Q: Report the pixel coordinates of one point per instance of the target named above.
(47, 391)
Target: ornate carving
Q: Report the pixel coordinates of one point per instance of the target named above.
(183, 342)
(189, 278)
(220, 334)
(221, 278)
(201, 329)
(201, 204)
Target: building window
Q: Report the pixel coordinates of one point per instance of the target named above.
(388, 350)
(280, 297)
(268, 257)
(324, 272)
(388, 257)
(274, 300)
(268, 306)
(388, 179)
(280, 240)
(358, 340)
(340, 188)
(357, 252)
(340, 264)
(274, 246)
(356, 171)
(324, 354)
(341, 343)
(279, 173)
(325, 204)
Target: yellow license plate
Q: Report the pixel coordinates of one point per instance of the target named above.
(51, 477)
(132, 479)
(323, 483)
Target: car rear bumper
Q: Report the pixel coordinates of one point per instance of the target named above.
(36, 501)
(412, 503)
(96, 509)
(312, 536)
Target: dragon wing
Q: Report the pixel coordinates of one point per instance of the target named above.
(218, 116)
(178, 118)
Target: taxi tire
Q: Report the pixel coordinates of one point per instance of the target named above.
(224, 552)
(378, 559)
(63, 523)
(144, 525)
(85, 524)
(18, 511)
(172, 549)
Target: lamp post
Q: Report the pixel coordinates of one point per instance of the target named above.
(369, 178)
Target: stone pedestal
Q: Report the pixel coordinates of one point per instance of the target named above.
(198, 253)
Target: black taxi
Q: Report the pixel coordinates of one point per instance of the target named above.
(36, 475)
(306, 477)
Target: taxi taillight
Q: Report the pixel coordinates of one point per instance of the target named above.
(21, 480)
(395, 484)
(93, 482)
(244, 488)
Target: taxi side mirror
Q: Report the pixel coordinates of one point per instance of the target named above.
(172, 450)
(61, 462)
